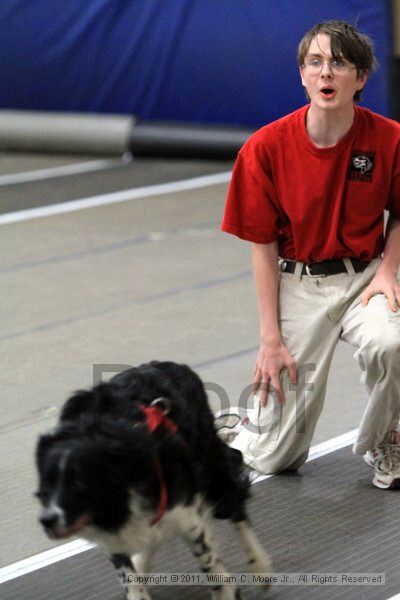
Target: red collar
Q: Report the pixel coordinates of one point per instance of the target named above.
(156, 416)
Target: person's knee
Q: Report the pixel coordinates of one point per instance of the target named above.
(298, 462)
(389, 348)
(383, 346)
(275, 463)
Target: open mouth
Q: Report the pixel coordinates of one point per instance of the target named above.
(328, 92)
(59, 532)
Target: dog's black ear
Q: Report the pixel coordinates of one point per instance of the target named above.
(78, 404)
(42, 446)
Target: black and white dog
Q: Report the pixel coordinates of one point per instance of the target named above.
(137, 459)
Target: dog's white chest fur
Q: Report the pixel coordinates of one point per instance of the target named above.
(140, 539)
(138, 533)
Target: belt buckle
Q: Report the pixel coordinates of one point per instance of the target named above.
(307, 267)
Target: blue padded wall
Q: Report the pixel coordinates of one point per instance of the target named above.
(221, 61)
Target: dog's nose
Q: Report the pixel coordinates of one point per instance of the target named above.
(49, 518)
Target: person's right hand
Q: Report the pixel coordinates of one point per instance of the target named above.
(272, 358)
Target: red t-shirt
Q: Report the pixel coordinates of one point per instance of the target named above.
(318, 203)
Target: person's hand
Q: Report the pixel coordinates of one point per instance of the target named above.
(272, 358)
(384, 282)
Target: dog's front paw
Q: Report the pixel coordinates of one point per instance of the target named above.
(226, 592)
(138, 593)
(262, 567)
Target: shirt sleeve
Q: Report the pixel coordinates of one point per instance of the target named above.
(250, 211)
(393, 203)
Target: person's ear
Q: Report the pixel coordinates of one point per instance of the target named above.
(362, 79)
(301, 71)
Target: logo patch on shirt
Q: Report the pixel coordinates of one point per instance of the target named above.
(362, 166)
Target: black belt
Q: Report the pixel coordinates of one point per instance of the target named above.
(325, 267)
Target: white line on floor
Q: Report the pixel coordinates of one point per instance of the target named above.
(61, 171)
(113, 197)
(39, 561)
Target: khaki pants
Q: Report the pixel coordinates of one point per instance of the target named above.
(315, 313)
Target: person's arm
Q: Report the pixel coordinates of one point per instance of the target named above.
(385, 280)
(273, 355)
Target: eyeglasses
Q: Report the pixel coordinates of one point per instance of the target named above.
(337, 66)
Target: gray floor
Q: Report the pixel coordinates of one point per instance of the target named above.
(120, 284)
(118, 176)
(319, 522)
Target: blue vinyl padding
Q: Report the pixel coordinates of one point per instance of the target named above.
(212, 61)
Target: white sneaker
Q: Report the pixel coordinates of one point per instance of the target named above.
(229, 424)
(385, 460)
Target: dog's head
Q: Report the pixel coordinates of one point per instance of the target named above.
(87, 474)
